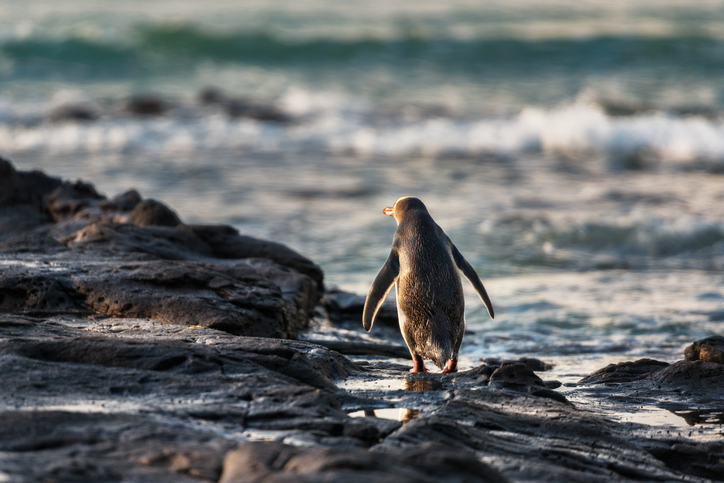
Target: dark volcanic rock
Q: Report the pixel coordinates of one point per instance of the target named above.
(124, 202)
(69, 199)
(692, 375)
(143, 401)
(710, 349)
(233, 297)
(113, 370)
(252, 110)
(226, 242)
(262, 462)
(154, 213)
(20, 187)
(530, 362)
(624, 372)
(73, 112)
(345, 309)
(146, 106)
(145, 263)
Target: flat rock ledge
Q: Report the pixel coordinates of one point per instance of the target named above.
(139, 400)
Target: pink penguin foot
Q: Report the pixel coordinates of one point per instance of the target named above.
(451, 366)
(418, 366)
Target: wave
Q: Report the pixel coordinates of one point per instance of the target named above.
(581, 130)
(154, 46)
(606, 242)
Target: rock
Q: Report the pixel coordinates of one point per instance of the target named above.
(22, 200)
(73, 112)
(147, 402)
(265, 461)
(186, 293)
(624, 372)
(69, 199)
(145, 262)
(146, 106)
(530, 362)
(696, 376)
(210, 95)
(24, 187)
(518, 377)
(259, 112)
(124, 202)
(710, 349)
(226, 242)
(153, 213)
(515, 374)
(346, 308)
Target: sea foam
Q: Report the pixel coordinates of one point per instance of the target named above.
(580, 129)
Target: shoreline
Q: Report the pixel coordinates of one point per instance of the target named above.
(129, 347)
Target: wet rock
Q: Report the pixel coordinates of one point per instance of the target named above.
(500, 427)
(124, 202)
(210, 95)
(145, 262)
(153, 213)
(518, 377)
(710, 349)
(29, 187)
(185, 293)
(263, 461)
(257, 111)
(69, 199)
(624, 372)
(226, 242)
(481, 374)
(364, 348)
(530, 362)
(514, 374)
(146, 106)
(150, 402)
(73, 112)
(111, 239)
(76, 446)
(22, 199)
(698, 459)
(346, 308)
(696, 376)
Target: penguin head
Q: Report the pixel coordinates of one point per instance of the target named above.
(403, 206)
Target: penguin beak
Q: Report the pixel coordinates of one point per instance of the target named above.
(389, 211)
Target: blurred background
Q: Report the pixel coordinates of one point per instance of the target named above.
(574, 151)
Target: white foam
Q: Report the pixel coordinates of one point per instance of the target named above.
(579, 128)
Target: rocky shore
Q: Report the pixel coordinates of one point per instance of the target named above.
(134, 347)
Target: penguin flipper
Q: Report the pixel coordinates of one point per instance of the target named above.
(378, 291)
(473, 277)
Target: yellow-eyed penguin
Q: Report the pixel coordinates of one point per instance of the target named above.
(423, 264)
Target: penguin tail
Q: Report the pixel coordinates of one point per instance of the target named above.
(440, 351)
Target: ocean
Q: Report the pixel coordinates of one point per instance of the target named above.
(574, 151)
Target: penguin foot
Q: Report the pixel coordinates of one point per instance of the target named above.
(451, 366)
(418, 366)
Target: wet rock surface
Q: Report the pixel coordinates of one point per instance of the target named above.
(65, 248)
(710, 349)
(134, 347)
(136, 399)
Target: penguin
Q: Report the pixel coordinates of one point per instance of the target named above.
(423, 264)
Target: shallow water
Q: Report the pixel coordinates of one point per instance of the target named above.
(574, 155)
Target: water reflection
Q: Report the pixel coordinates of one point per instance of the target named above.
(421, 385)
(407, 415)
(702, 416)
(396, 414)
